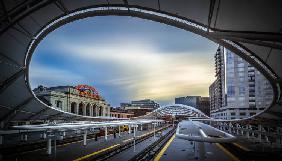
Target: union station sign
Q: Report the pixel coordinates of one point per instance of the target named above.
(88, 91)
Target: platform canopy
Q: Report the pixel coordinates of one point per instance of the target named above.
(85, 125)
(251, 29)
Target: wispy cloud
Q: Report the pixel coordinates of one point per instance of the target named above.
(151, 61)
(52, 76)
(148, 73)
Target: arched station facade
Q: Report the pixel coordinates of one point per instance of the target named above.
(81, 99)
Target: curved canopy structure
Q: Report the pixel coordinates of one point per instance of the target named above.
(179, 110)
(251, 30)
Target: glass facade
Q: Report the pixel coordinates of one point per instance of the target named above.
(248, 92)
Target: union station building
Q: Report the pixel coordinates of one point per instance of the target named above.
(82, 99)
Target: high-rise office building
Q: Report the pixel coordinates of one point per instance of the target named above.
(247, 91)
(143, 104)
(201, 103)
(146, 103)
(204, 105)
(188, 100)
(124, 105)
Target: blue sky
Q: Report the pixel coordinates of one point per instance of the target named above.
(126, 59)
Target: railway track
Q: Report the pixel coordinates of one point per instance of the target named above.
(105, 155)
(151, 151)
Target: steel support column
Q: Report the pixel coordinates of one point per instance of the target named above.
(129, 129)
(49, 146)
(106, 133)
(85, 137)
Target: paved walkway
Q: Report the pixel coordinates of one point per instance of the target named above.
(182, 150)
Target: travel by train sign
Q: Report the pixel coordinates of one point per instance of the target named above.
(89, 91)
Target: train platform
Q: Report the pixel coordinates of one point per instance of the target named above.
(76, 150)
(173, 149)
(179, 149)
